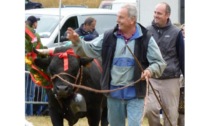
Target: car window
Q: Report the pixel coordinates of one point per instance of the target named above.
(107, 6)
(46, 24)
(103, 21)
(71, 22)
(117, 6)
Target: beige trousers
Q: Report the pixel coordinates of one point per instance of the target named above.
(167, 91)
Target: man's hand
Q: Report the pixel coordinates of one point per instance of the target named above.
(146, 74)
(72, 36)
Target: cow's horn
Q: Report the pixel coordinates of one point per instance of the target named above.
(45, 51)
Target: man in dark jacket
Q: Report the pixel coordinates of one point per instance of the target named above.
(87, 29)
(120, 67)
(170, 41)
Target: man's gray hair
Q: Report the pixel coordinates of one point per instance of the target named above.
(132, 11)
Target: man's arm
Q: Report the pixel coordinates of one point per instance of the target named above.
(180, 51)
(156, 62)
(85, 49)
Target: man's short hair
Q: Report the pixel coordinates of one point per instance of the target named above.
(89, 20)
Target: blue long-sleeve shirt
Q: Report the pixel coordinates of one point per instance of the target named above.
(121, 74)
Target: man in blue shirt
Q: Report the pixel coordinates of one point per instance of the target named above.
(119, 66)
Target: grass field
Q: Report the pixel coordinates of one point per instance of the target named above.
(45, 121)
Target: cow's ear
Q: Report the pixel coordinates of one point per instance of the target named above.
(85, 61)
(42, 62)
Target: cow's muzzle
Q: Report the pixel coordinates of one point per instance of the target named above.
(62, 91)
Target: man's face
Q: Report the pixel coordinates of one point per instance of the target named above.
(160, 15)
(123, 20)
(91, 27)
(35, 25)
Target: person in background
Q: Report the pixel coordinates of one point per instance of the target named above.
(29, 84)
(120, 67)
(169, 38)
(31, 89)
(32, 22)
(86, 31)
(181, 109)
(182, 92)
(183, 30)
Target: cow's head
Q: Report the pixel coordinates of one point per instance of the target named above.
(62, 61)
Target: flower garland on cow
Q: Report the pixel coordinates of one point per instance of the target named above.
(32, 41)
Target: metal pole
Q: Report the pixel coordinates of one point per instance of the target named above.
(59, 22)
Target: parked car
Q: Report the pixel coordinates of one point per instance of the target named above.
(106, 4)
(117, 4)
(48, 26)
(32, 5)
(78, 6)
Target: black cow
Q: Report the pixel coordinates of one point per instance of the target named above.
(63, 99)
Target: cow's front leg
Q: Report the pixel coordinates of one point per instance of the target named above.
(93, 116)
(56, 118)
(55, 110)
(71, 118)
(104, 120)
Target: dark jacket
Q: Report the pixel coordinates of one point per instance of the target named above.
(171, 44)
(140, 51)
(88, 36)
